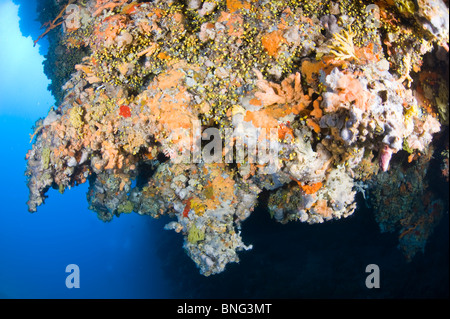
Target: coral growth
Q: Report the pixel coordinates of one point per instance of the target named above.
(403, 203)
(207, 104)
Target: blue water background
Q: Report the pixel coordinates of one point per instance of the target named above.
(116, 260)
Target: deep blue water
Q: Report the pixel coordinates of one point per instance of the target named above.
(116, 260)
(133, 257)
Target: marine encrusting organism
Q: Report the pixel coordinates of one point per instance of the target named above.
(193, 108)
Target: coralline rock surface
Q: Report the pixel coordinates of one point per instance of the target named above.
(193, 108)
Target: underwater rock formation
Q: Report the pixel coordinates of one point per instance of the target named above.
(193, 108)
(403, 202)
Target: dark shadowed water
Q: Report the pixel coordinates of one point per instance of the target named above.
(316, 261)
